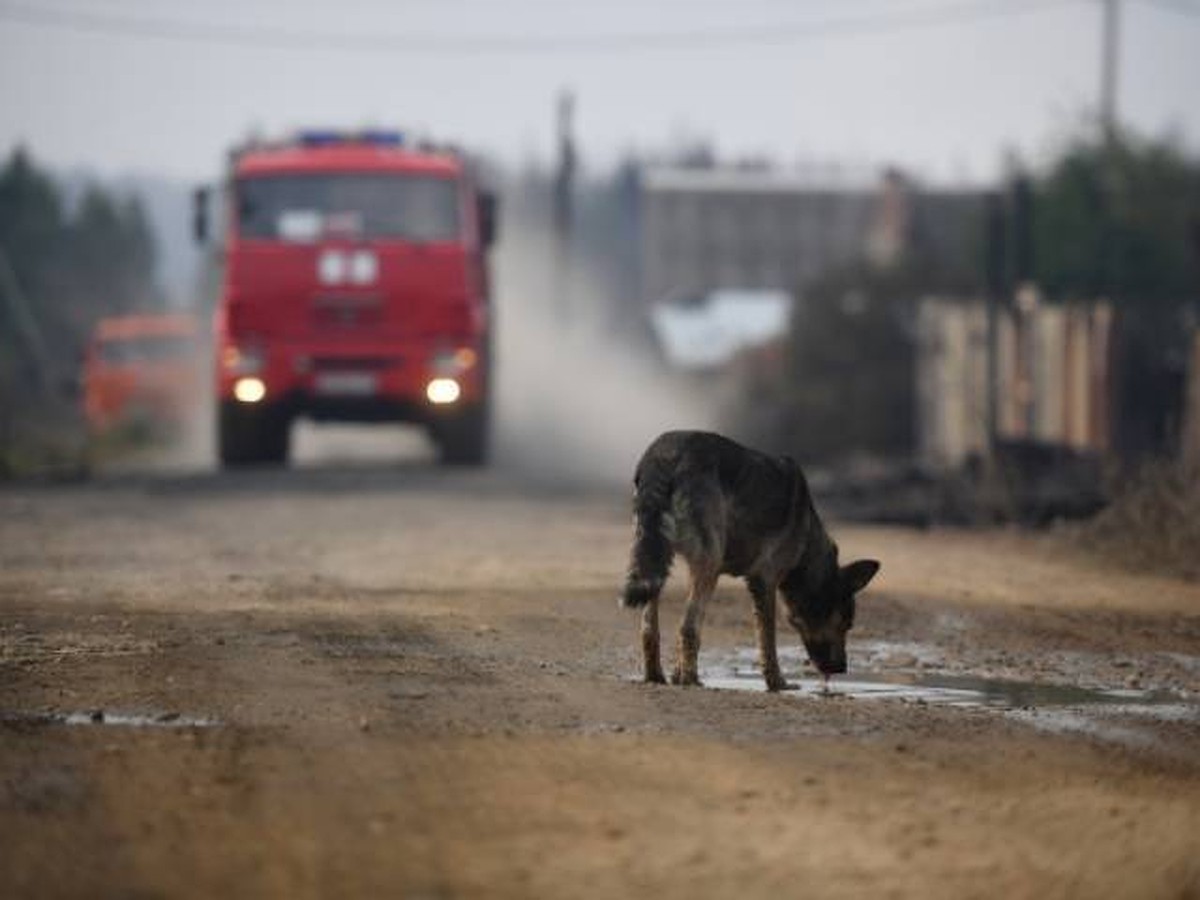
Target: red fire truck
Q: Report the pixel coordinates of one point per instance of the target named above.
(355, 287)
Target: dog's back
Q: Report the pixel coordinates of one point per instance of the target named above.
(711, 499)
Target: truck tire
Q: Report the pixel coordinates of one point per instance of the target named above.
(463, 437)
(249, 436)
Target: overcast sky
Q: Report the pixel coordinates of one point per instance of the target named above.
(940, 86)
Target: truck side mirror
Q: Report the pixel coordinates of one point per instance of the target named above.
(486, 206)
(200, 214)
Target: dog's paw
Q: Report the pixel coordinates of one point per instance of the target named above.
(654, 678)
(779, 683)
(685, 679)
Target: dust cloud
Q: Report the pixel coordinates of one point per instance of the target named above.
(576, 402)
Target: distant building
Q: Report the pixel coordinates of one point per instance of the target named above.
(703, 229)
(937, 228)
(709, 228)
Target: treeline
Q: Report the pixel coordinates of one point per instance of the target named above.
(64, 263)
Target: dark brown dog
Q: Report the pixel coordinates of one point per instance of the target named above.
(731, 510)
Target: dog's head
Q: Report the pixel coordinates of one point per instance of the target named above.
(825, 612)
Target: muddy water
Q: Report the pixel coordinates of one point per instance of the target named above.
(921, 673)
(1125, 716)
(102, 717)
(951, 690)
(915, 673)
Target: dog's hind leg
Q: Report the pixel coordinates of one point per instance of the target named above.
(764, 623)
(652, 662)
(687, 653)
(698, 515)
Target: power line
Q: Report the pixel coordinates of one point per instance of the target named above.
(1177, 6)
(782, 33)
(510, 6)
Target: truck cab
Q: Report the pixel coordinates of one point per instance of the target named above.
(142, 369)
(355, 287)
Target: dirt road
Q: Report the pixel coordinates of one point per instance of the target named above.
(409, 682)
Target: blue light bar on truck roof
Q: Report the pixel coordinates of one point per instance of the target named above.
(319, 138)
(381, 137)
(330, 138)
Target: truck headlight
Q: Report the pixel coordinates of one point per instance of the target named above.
(249, 390)
(443, 390)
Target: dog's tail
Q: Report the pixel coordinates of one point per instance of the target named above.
(652, 553)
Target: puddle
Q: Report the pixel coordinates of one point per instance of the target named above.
(940, 688)
(1128, 716)
(104, 717)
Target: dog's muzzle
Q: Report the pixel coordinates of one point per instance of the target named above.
(827, 660)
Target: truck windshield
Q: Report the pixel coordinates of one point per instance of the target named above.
(358, 205)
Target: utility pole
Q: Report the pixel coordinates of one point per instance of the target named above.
(1110, 263)
(996, 280)
(564, 177)
(564, 187)
(1108, 70)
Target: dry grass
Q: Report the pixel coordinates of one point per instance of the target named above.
(1153, 523)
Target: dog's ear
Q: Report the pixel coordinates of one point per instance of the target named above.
(859, 573)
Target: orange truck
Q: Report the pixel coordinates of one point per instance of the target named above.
(144, 369)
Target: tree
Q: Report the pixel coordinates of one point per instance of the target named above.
(70, 268)
(1117, 221)
(849, 375)
(112, 253)
(31, 221)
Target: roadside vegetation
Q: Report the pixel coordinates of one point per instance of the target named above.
(65, 261)
(1152, 524)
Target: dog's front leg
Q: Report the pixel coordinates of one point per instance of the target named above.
(652, 662)
(764, 624)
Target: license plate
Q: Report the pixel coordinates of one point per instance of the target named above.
(346, 384)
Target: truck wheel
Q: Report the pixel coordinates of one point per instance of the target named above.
(252, 435)
(463, 438)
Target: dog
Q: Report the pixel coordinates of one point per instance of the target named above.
(728, 509)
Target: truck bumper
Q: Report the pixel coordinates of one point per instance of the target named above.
(366, 384)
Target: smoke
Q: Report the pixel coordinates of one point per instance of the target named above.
(577, 402)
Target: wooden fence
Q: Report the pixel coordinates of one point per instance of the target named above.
(1054, 377)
